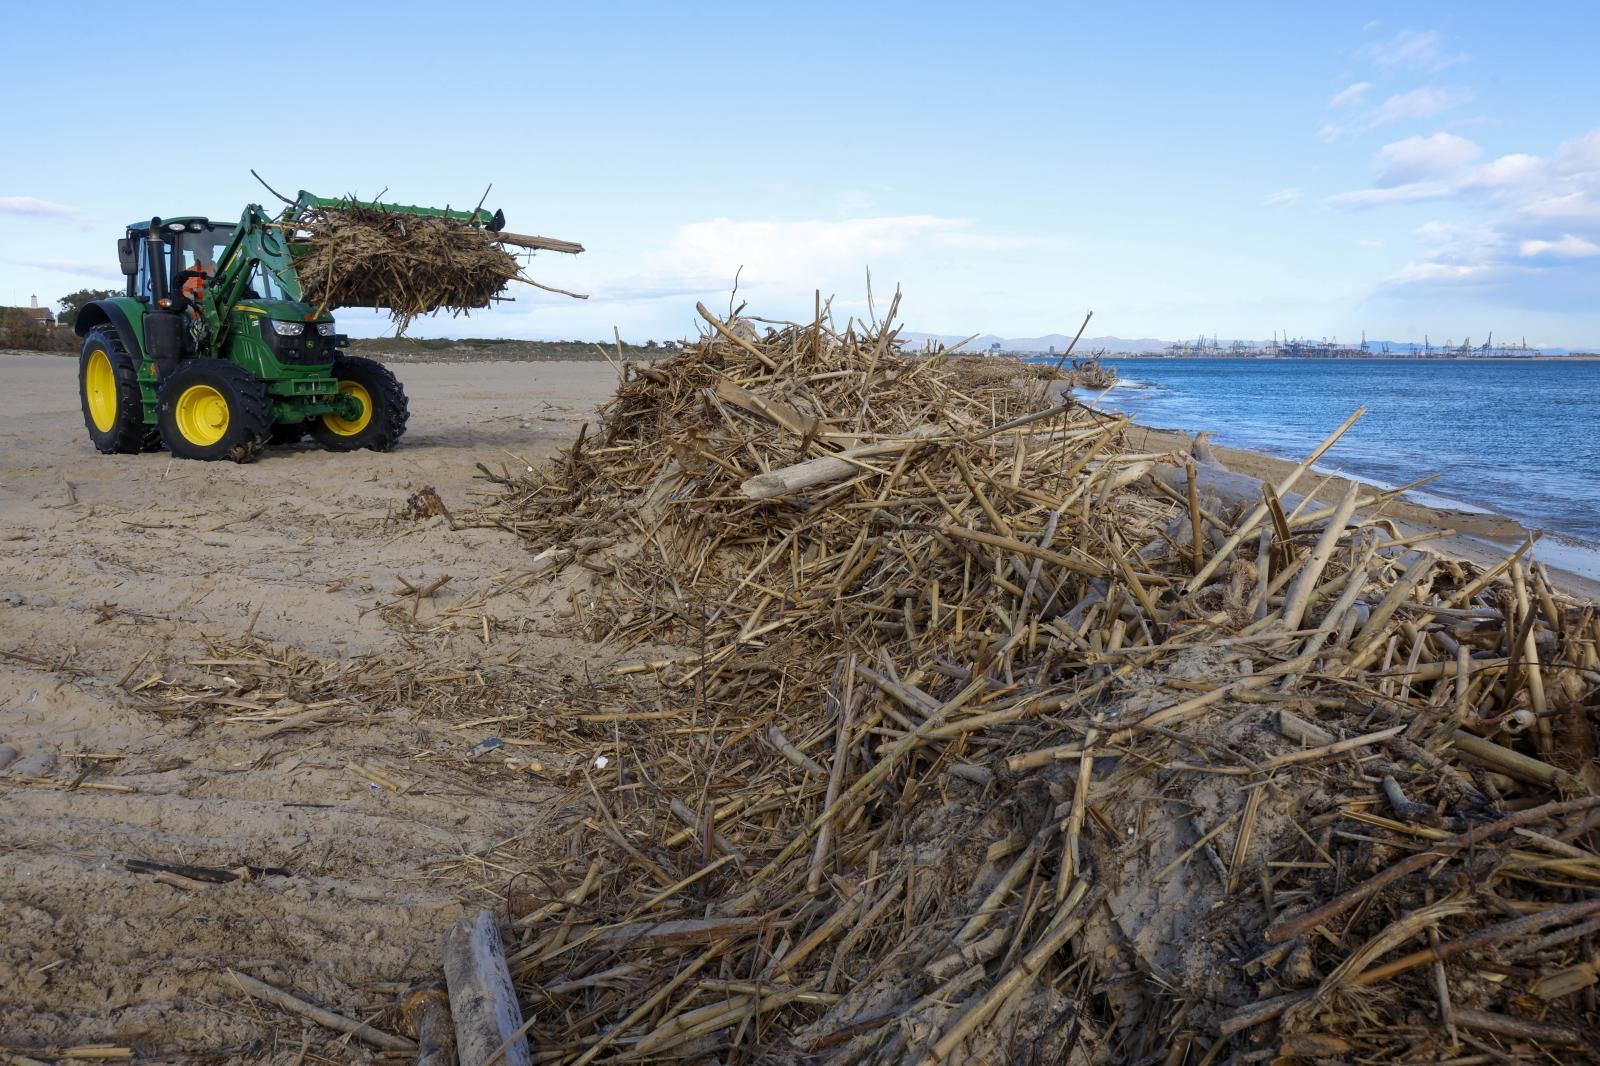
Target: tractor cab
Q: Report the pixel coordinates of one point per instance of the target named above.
(191, 249)
(207, 286)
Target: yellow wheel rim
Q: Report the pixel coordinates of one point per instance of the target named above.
(349, 427)
(202, 415)
(100, 389)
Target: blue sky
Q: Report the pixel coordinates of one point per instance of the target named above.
(1177, 168)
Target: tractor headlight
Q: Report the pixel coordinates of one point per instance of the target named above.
(325, 328)
(288, 329)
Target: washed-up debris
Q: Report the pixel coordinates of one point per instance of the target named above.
(945, 727)
(425, 503)
(989, 739)
(1091, 373)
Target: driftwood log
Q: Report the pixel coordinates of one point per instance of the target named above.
(1220, 487)
(482, 999)
(827, 468)
(543, 244)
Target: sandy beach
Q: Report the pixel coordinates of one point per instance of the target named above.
(119, 575)
(115, 570)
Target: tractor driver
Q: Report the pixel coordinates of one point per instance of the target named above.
(194, 286)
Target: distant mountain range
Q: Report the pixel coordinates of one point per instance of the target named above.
(1057, 342)
(1041, 345)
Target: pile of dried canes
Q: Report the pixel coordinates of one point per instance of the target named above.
(949, 726)
(360, 256)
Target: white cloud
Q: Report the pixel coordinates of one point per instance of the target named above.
(1412, 50)
(1416, 159)
(1508, 172)
(1460, 240)
(1567, 247)
(1418, 104)
(1397, 194)
(1283, 196)
(69, 266)
(35, 207)
(1410, 106)
(1427, 271)
(1533, 241)
(1516, 179)
(1350, 96)
(1455, 252)
(1572, 206)
(1538, 248)
(776, 259)
(1539, 198)
(1580, 155)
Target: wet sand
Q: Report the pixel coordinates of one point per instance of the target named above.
(1479, 537)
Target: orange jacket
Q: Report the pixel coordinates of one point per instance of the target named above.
(194, 288)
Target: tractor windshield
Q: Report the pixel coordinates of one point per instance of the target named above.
(263, 286)
(202, 246)
(205, 247)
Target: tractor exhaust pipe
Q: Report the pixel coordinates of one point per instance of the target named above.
(163, 326)
(156, 257)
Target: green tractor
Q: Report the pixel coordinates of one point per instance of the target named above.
(213, 353)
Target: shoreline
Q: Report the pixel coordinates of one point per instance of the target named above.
(1583, 357)
(1478, 535)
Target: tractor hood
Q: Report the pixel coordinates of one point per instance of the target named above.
(281, 310)
(292, 330)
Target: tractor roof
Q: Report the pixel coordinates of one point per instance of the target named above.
(144, 226)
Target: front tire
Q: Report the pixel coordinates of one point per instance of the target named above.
(383, 408)
(108, 387)
(214, 409)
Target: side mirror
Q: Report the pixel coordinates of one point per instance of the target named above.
(128, 256)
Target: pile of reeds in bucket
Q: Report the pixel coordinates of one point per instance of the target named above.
(358, 255)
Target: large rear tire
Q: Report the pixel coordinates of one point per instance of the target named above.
(214, 409)
(108, 387)
(383, 408)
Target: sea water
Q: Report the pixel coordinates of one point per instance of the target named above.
(1520, 437)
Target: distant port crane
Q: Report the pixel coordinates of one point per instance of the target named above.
(1283, 346)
